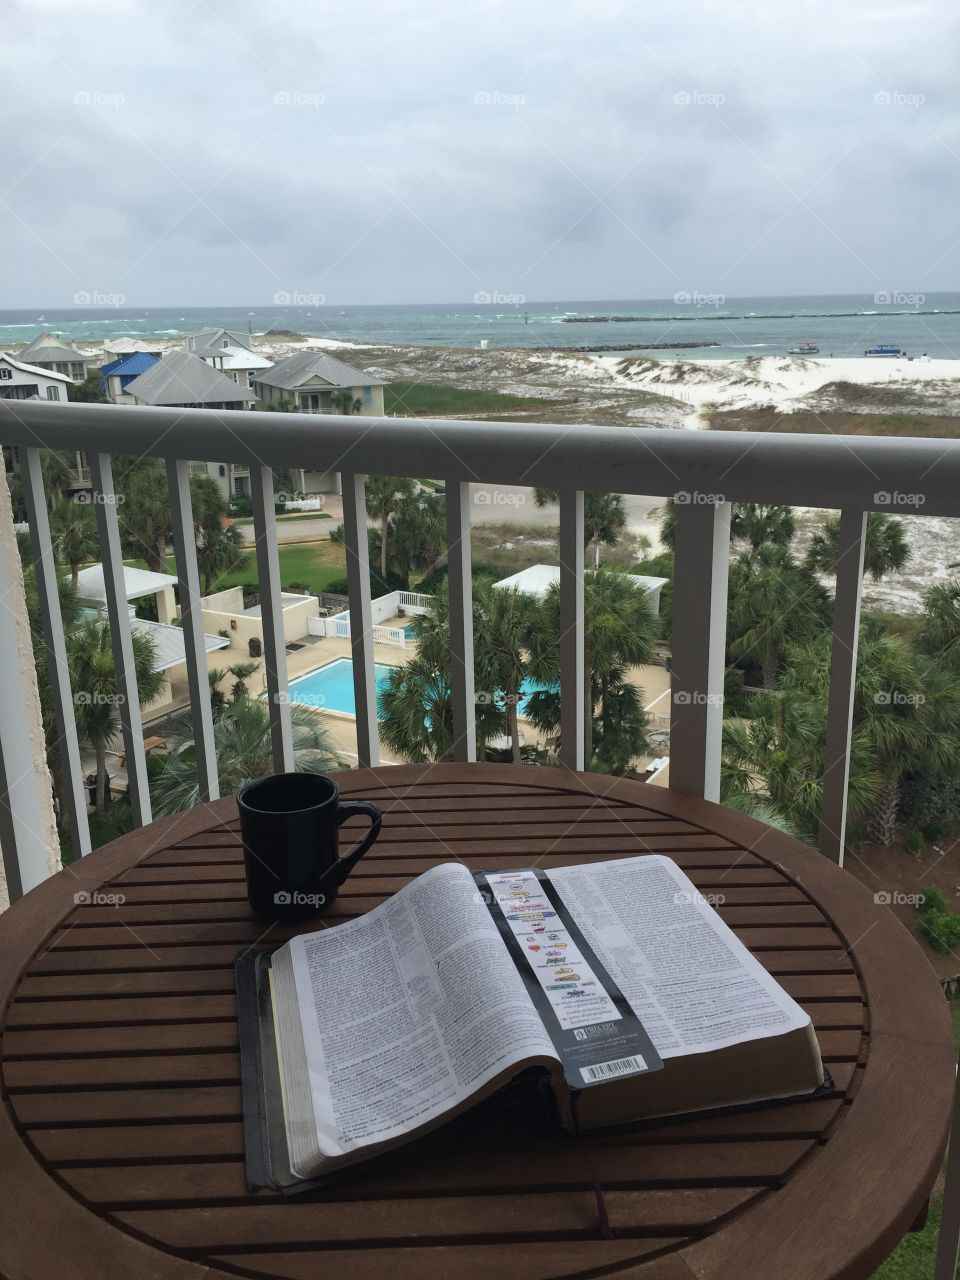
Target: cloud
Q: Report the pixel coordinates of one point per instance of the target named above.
(190, 154)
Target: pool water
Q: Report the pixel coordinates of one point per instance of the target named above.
(331, 687)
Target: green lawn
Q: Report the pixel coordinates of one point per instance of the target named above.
(914, 1256)
(316, 564)
(430, 400)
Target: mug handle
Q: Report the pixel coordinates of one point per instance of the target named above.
(348, 809)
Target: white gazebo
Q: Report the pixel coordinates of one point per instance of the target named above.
(136, 583)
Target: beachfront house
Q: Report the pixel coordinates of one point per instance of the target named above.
(22, 381)
(308, 381)
(183, 380)
(47, 352)
(229, 352)
(116, 376)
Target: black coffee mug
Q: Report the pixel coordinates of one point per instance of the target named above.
(290, 828)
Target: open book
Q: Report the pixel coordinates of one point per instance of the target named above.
(616, 979)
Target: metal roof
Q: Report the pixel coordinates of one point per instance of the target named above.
(168, 643)
(136, 583)
(136, 362)
(48, 348)
(32, 368)
(209, 337)
(182, 378)
(538, 578)
(298, 369)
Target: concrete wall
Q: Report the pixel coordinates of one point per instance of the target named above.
(224, 612)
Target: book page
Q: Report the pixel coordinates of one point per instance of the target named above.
(687, 976)
(409, 1011)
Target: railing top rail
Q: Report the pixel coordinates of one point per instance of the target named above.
(907, 475)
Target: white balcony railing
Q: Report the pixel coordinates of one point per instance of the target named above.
(704, 471)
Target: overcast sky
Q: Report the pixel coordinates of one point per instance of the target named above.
(190, 152)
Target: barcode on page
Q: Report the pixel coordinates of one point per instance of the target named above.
(609, 1070)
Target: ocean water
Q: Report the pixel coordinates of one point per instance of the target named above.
(842, 325)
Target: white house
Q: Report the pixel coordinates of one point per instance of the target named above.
(21, 381)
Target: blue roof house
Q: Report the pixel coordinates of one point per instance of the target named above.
(116, 376)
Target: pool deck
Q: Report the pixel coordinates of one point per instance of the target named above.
(653, 680)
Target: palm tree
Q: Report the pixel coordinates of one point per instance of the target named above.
(416, 703)
(384, 495)
(419, 534)
(96, 693)
(73, 528)
(885, 546)
(241, 672)
(939, 631)
(906, 709)
(146, 522)
(604, 517)
(241, 736)
(757, 523)
(511, 633)
(218, 699)
(221, 549)
(620, 631)
(773, 602)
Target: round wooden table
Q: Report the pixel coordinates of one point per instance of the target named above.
(121, 1146)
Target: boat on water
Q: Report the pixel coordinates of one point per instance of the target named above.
(885, 349)
(804, 349)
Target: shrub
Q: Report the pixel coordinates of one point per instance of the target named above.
(932, 899)
(915, 842)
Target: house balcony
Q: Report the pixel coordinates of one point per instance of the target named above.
(704, 472)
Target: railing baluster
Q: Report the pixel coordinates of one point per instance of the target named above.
(702, 556)
(57, 672)
(185, 547)
(573, 708)
(131, 723)
(361, 622)
(28, 833)
(271, 617)
(948, 1244)
(843, 675)
(460, 580)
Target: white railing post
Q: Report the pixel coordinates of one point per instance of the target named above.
(358, 585)
(460, 583)
(948, 1244)
(185, 547)
(702, 557)
(843, 679)
(58, 674)
(573, 701)
(28, 833)
(271, 617)
(115, 591)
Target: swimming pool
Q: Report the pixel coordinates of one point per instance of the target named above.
(331, 687)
